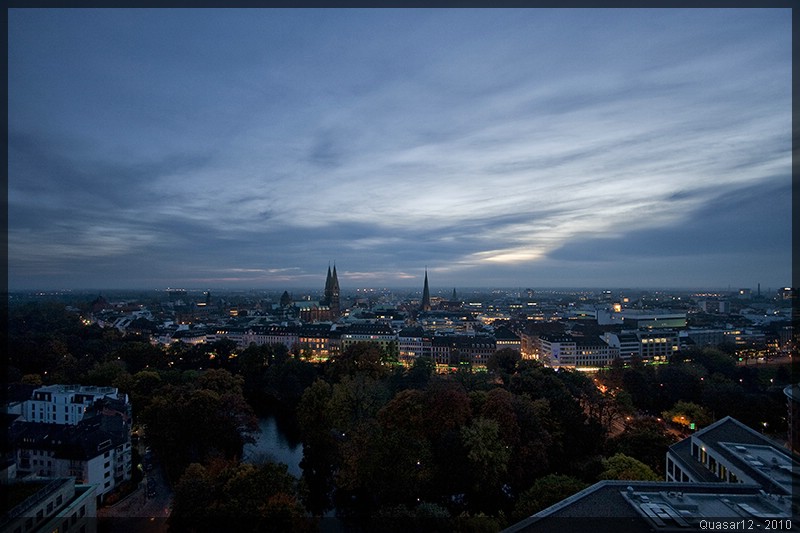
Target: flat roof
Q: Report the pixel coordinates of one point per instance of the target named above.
(643, 507)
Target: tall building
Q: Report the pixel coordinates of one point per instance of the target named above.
(426, 294)
(75, 431)
(331, 297)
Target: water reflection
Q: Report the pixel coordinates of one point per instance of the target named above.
(276, 445)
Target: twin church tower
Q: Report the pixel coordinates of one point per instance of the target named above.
(331, 295)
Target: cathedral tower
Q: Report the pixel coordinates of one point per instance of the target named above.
(331, 295)
(334, 300)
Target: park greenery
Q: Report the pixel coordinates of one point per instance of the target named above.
(383, 444)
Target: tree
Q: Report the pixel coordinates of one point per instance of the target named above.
(545, 492)
(104, 374)
(32, 379)
(356, 399)
(487, 459)
(645, 439)
(193, 497)
(687, 413)
(172, 426)
(239, 497)
(504, 362)
(139, 355)
(360, 358)
(622, 467)
(221, 382)
(383, 466)
(320, 452)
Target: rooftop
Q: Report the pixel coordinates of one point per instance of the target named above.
(639, 506)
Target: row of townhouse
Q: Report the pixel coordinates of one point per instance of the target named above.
(319, 342)
(450, 352)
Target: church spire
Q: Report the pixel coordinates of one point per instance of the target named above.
(331, 298)
(426, 294)
(326, 296)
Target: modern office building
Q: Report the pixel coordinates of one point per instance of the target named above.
(727, 451)
(567, 351)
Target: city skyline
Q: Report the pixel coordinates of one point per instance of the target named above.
(513, 148)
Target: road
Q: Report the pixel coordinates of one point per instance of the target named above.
(137, 512)
(785, 360)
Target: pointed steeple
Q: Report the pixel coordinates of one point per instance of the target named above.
(455, 296)
(331, 296)
(328, 279)
(426, 294)
(335, 280)
(326, 295)
(334, 302)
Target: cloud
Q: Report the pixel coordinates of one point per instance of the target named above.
(491, 143)
(755, 220)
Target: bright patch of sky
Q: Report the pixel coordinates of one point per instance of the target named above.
(534, 147)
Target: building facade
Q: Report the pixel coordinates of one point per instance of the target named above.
(68, 404)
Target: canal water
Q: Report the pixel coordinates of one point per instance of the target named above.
(274, 444)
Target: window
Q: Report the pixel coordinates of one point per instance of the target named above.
(82, 512)
(49, 507)
(60, 499)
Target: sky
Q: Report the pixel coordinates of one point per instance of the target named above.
(212, 148)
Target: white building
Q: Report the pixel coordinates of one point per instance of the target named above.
(566, 351)
(626, 342)
(66, 404)
(286, 335)
(411, 345)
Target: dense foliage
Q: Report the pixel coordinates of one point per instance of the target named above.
(403, 448)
